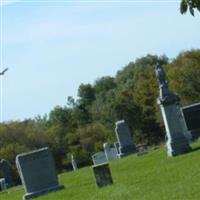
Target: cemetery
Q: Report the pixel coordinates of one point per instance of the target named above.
(131, 134)
(122, 169)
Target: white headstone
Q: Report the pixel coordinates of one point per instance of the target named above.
(74, 164)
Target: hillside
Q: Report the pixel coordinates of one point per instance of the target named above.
(149, 177)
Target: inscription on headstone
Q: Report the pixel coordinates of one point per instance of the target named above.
(102, 175)
(126, 145)
(37, 172)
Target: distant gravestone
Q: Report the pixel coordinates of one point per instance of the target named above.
(126, 145)
(111, 153)
(37, 172)
(191, 115)
(116, 145)
(99, 158)
(2, 184)
(102, 175)
(74, 164)
(178, 137)
(4, 167)
(141, 149)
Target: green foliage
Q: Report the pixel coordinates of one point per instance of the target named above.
(184, 76)
(82, 126)
(190, 5)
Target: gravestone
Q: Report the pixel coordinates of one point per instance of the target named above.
(110, 153)
(74, 164)
(37, 172)
(141, 149)
(4, 167)
(99, 158)
(2, 184)
(116, 145)
(126, 145)
(191, 115)
(177, 135)
(102, 175)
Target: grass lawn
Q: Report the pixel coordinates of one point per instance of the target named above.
(153, 176)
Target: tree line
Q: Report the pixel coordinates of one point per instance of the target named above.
(83, 125)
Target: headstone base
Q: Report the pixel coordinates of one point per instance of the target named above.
(102, 175)
(41, 192)
(178, 146)
(177, 134)
(127, 150)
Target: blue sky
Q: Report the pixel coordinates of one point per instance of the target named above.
(53, 47)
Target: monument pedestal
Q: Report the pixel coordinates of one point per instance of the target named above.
(177, 141)
(178, 137)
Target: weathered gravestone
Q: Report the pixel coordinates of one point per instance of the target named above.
(99, 158)
(37, 172)
(126, 145)
(177, 135)
(102, 175)
(142, 149)
(4, 167)
(110, 153)
(2, 184)
(74, 164)
(191, 115)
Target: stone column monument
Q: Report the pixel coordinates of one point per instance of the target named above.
(74, 164)
(177, 135)
(126, 145)
(4, 167)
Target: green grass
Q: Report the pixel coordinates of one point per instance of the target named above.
(153, 176)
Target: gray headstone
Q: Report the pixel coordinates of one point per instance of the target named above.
(111, 153)
(2, 184)
(4, 167)
(191, 115)
(102, 175)
(38, 173)
(126, 145)
(116, 145)
(177, 135)
(99, 158)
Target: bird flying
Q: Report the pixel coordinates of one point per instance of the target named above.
(3, 72)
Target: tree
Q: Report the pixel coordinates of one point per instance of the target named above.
(190, 5)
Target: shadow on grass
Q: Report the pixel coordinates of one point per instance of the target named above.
(195, 149)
